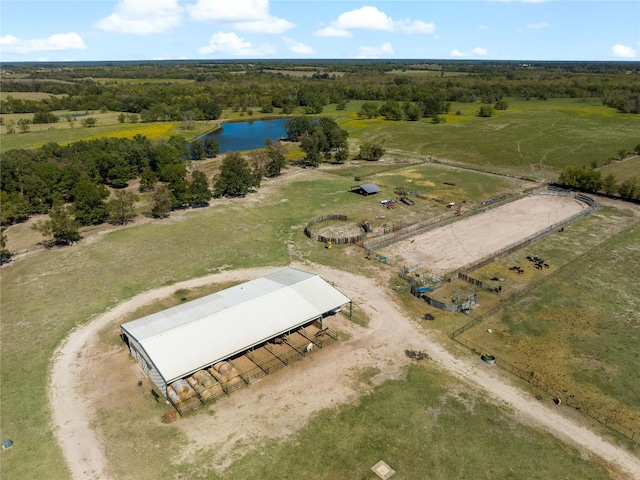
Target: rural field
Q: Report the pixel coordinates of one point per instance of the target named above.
(70, 400)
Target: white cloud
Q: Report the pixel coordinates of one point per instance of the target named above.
(229, 11)
(375, 52)
(623, 51)
(59, 41)
(228, 43)
(298, 47)
(416, 26)
(537, 26)
(269, 24)
(476, 52)
(370, 18)
(142, 17)
(332, 32)
(245, 15)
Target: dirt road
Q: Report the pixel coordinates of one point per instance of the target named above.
(281, 404)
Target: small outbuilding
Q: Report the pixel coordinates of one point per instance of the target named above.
(366, 189)
(172, 344)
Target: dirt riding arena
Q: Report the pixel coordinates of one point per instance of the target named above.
(461, 243)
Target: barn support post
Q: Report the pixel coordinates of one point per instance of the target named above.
(350, 309)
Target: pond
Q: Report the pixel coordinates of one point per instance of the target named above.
(248, 135)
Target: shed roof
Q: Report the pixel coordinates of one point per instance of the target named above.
(370, 188)
(193, 335)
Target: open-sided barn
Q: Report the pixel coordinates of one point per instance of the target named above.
(175, 343)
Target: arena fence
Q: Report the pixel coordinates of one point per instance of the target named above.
(401, 232)
(308, 230)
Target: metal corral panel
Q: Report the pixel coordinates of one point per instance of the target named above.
(191, 336)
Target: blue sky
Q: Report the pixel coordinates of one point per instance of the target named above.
(98, 30)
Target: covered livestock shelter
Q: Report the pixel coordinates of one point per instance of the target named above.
(190, 338)
(366, 189)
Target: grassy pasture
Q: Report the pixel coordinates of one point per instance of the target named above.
(28, 95)
(46, 294)
(424, 423)
(624, 170)
(578, 329)
(532, 138)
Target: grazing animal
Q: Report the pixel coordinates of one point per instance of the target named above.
(320, 333)
(278, 340)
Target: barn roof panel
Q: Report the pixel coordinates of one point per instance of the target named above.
(193, 335)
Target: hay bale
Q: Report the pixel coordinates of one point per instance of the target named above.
(204, 378)
(181, 387)
(223, 368)
(173, 396)
(214, 391)
(192, 381)
(215, 374)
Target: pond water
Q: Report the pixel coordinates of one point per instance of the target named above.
(248, 135)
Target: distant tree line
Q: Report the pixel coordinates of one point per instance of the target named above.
(263, 87)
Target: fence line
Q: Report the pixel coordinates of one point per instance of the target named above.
(406, 231)
(335, 240)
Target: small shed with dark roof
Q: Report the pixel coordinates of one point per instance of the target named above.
(366, 189)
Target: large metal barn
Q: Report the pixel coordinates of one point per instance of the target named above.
(206, 348)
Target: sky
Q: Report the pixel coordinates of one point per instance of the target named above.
(535, 30)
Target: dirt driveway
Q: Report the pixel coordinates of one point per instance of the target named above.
(281, 404)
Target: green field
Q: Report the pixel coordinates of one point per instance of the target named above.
(623, 170)
(50, 291)
(532, 138)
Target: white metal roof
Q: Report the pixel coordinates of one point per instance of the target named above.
(193, 335)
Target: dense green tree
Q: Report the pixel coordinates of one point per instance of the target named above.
(629, 188)
(197, 149)
(121, 207)
(501, 105)
(371, 151)
(486, 111)
(148, 180)
(211, 147)
(24, 125)
(581, 179)
(5, 254)
(391, 110)
(368, 110)
(277, 161)
(89, 207)
(235, 178)
(296, 127)
(412, 111)
(61, 226)
(161, 202)
(45, 117)
(211, 110)
(609, 184)
(89, 122)
(14, 208)
(181, 146)
(199, 189)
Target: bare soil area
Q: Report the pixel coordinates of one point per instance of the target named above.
(281, 403)
(461, 243)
